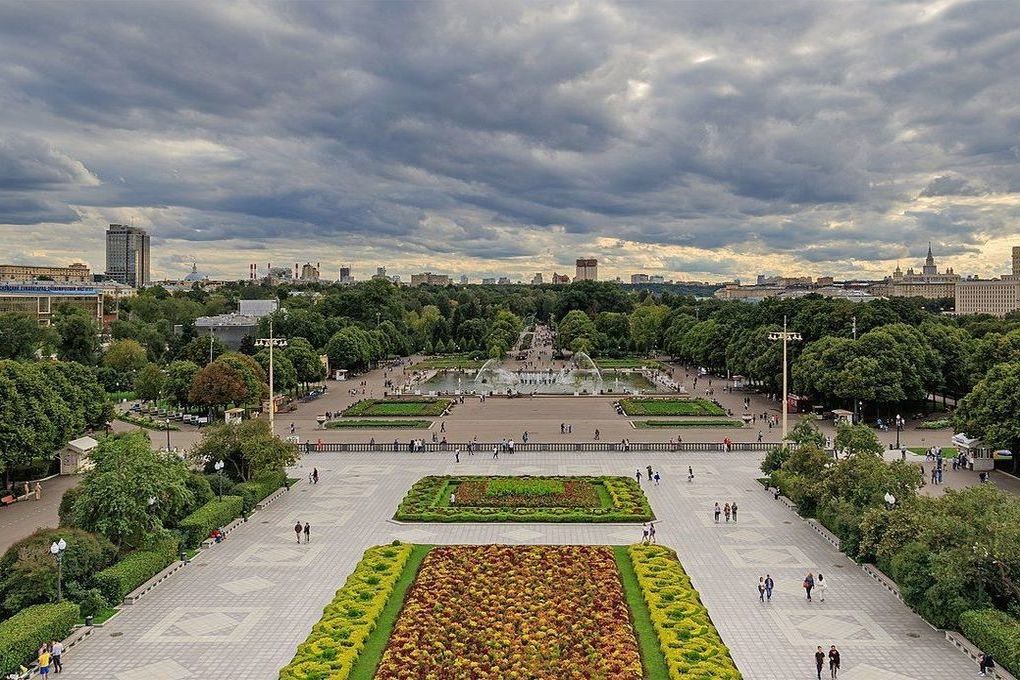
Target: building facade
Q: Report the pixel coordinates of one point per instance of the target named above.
(586, 269)
(997, 297)
(127, 255)
(639, 278)
(75, 273)
(536, 280)
(43, 300)
(930, 283)
(230, 329)
(429, 279)
(560, 278)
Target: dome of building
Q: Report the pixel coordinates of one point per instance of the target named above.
(195, 275)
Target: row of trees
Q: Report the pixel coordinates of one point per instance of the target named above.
(953, 557)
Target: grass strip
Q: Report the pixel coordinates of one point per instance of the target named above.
(375, 645)
(379, 424)
(652, 661)
(649, 424)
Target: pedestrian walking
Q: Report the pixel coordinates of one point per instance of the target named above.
(717, 511)
(292, 428)
(315, 475)
(495, 452)
(308, 532)
(649, 469)
(44, 661)
(657, 479)
(726, 511)
(760, 436)
(769, 585)
(986, 663)
(733, 508)
(637, 474)
(822, 587)
(761, 589)
(690, 474)
(297, 531)
(819, 661)
(596, 434)
(309, 477)
(38, 491)
(809, 583)
(442, 426)
(456, 455)
(644, 535)
(57, 651)
(833, 661)
(651, 532)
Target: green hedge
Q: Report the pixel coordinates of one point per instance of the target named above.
(670, 406)
(197, 526)
(22, 634)
(254, 491)
(995, 632)
(135, 569)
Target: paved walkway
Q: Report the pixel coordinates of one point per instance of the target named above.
(24, 517)
(240, 609)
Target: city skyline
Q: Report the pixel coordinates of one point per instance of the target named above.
(675, 140)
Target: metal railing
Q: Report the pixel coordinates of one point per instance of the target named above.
(552, 447)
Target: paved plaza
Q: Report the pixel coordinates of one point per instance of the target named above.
(241, 608)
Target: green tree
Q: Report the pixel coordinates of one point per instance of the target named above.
(255, 380)
(114, 496)
(307, 365)
(992, 409)
(576, 324)
(858, 439)
(646, 325)
(20, 335)
(284, 373)
(180, 375)
(350, 348)
(149, 382)
(125, 356)
(199, 350)
(78, 336)
(248, 449)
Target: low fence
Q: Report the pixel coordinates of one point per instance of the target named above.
(553, 447)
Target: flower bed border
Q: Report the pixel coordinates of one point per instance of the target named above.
(696, 406)
(429, 407)
(421, 504)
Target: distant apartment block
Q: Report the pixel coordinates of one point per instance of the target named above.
(230, 329)
(257, 308)
(536, 280)
(639, 278)
(489, 281)
(345, 275)
(586, 269)
(75, 273)
(560, 278)
(429, 279)
(127, 255)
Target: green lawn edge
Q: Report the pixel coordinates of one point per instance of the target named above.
(652, 424)
(372, 653)
(652, 661)
(375, 424)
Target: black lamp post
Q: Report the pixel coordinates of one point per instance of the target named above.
(168, 434)
(899, 428)
(57, 550)
(218, 466)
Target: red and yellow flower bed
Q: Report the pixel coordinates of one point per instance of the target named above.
(565, 494)
(514, 612)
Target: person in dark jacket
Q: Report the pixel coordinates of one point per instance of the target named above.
(833, 661)
(819, 661)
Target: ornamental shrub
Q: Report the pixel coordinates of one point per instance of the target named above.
(29, 572)
(995, 632)
(135, 569)
(197, 526)
(333, 646)
(255, 491)
(65, 512)
(22, 634)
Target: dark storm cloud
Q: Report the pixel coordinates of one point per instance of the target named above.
(831, 133)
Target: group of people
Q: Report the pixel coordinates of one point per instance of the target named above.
(48, 658)
(729, 510)
(833, 657)
(653, 476)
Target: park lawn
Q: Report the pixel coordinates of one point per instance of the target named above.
(450, 361)
(584, 499)
(665, 406)
(637, 362)
(365, 423)
(401, 408)
(722, 422)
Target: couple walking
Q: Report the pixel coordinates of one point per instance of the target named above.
(307, 530)
(833, 661)
(765, 587)
(811, 583)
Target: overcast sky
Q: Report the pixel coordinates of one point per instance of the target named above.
(699, 140)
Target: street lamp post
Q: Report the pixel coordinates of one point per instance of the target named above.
(168, 435)
(57, 550)
(786, 336)
(271, 342)
(899, 428)
(218, 466)
(152, 508)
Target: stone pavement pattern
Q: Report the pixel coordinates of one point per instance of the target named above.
(241, 608)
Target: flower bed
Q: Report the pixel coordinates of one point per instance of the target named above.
(722, 422)
(332, 648)
(687, 637)
(367, 424)
(516, 492)
(514, 612)
(620, 499)
(398, 407)
(646, 406)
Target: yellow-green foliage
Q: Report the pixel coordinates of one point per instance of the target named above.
(687, 637)
(332, 648)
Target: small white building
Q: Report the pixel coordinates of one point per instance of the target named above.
(75, 458)
(980, 458)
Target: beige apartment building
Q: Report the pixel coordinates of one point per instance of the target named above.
(998, 297)
(586, 269)
(75, 273)
(429, 279)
